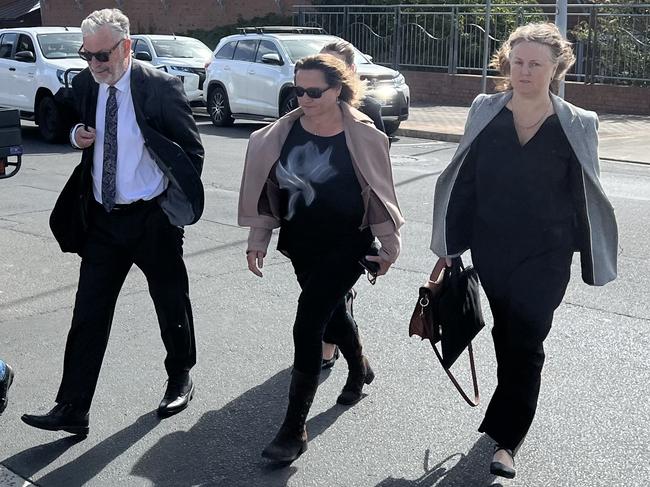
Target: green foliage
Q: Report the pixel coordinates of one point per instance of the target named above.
(211, 37)
(616, 44)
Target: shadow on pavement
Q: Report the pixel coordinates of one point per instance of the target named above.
(470, 470)
(223, 448)
(30, 461)
(238, 131)
(86, 466)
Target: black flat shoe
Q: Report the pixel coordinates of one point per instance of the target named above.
(500, 469)
(329, 363)
(178, 395)
(62, 417)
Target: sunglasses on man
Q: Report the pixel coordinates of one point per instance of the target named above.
(310, 92)
(101, 56)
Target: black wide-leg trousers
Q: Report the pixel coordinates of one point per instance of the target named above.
(137, 234)
(524, 286)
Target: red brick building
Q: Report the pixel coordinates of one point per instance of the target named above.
(165, 16)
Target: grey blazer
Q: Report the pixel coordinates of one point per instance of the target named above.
(599, 246)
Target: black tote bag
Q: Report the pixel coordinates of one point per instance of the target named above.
(449, 311)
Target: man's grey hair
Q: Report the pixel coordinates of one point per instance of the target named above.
(109, 17)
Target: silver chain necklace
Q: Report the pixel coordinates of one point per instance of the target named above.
(526, 127)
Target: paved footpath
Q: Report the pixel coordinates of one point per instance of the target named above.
(622, 137)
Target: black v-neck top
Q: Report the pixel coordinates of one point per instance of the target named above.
(521, 190)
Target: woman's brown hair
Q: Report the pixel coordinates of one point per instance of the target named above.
(336, 74)
(342, 48)
(543, 33)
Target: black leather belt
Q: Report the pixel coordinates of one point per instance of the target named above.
(128, 207)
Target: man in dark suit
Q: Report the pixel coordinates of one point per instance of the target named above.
(126, 203)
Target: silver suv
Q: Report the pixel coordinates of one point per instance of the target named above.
(184, 57)
(251, 76)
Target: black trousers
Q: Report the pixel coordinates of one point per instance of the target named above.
(524, 283)
(139, 234)
(322, 314)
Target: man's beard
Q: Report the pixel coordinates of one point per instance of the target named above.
(107, 77)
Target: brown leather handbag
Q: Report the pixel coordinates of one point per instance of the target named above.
(448, 311)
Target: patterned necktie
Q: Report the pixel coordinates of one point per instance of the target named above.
(110, 151)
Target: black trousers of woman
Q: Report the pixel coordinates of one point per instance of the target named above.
(525, 282)
(324, 279)
(139, 234)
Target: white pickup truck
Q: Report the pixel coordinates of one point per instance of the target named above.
(34, 65)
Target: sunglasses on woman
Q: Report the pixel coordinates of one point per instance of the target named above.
(311, 92)
(101, 56)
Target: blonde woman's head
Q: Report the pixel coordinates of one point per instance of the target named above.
(534, 58)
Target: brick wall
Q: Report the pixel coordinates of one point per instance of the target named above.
(165, 16)
(460, 90)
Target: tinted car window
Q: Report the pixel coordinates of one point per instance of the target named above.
(245, 51)
(25, 43)
(141, 46)
(226, 51)
(60, 46)
(7, 42)
(266, 47)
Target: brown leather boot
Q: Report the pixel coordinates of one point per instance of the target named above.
(359, 373)
(291, 440)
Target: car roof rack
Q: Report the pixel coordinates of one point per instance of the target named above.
(281, 29)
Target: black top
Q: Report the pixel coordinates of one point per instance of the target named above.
(320, 194)
(372, 108)
(520, 192)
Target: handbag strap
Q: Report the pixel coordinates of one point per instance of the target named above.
(470, 350)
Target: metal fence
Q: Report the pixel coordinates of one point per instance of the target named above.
(611, 42)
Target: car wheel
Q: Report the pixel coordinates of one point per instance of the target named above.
(391, 127)
(51, 122)
(218, 108)
(289, 102)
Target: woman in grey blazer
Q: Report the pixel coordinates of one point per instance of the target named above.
(523, 194)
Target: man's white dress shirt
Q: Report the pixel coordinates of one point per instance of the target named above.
(138, 177)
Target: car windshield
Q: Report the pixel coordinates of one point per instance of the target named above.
(61, 45)
(184, 48)
(299, 48)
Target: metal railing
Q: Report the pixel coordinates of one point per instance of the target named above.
(611, 41)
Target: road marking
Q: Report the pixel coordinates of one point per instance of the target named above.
(10, 479)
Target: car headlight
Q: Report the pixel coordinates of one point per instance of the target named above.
(184, 69)
(60, 74)
(399, 80)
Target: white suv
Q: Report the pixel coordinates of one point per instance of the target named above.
(34, 65)
(251, 76)
(184, 57)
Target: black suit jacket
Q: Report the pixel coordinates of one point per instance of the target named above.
(165, 119)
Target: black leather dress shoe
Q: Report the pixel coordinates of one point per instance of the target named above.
(62, 417)
(5, 382)
(177, 397)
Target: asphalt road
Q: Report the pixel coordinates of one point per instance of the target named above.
(411, 430)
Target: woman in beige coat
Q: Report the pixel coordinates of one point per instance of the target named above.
(322, 174)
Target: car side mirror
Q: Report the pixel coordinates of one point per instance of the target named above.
(143, 56)
(25, 56)
(272, 58)
(368, 56)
